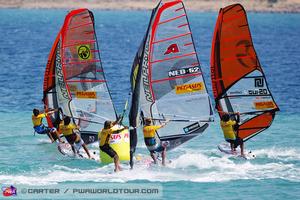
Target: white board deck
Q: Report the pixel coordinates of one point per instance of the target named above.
(66, 150)
(225, 148)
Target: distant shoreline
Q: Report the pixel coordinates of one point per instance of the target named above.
(290, 6)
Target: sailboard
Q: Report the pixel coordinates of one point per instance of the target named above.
(238, 81)
(167, 81)
(74, 80)
(225, 148)
(66, 150)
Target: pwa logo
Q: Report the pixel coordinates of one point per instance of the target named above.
(9, 191)
(173, 48)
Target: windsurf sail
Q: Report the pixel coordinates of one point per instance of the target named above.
(238, 81)
(166, 79)
(74, 79)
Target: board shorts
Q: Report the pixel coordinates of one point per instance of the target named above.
(153, 146)
(71, 138)
(237, 142)
(42, 129)
(108, 150)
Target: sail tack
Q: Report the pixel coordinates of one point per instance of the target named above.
(167, 81)
(238, 81)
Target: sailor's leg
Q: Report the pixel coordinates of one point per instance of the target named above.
(73, 149)
(232, 146)
(78, 143)
(117, 163)
(163, 156)
(86, 150)
(50, 136)
(152, 154)
(242, 148)
(55, 135)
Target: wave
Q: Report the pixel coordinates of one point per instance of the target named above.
(279, 153)
(193, 166)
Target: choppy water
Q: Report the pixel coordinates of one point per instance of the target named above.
(198, 170)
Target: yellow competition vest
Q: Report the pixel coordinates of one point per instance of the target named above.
(227, 128)
(104, 136)
(37, 120)
(67, 130)
(149, 131)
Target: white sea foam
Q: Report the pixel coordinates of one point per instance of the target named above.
(283, 154)
(201, 166)
(44, 141)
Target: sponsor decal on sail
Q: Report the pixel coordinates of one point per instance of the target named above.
(188, 88)
(86, 95)
(173, 48)
(191, 128)
(59, 73)
(84, 52)
(145, 74)
(264, 105)
(184, 71)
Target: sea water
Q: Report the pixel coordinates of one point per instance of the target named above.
(197, 169)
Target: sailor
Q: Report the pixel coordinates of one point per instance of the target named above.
(230, 135)
(40, 128)
(150, 140)
(104, 136)
(69, 130)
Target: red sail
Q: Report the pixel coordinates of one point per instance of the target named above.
(238, 81)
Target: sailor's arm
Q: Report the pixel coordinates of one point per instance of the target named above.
(162, 125)
(237, 117)
(165, 123)
(51, 111)
(119, 130)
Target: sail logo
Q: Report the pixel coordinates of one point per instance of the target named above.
(9, 191)
(84, 52)
(258, 92)
(91, 138)
(59, 73)
(191, 128)
(86, 95)
(264, 105)
(189, 88)
(173, 48)
(259, 82)
(184, 71)
(145, 74)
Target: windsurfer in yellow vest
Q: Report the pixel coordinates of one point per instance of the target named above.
(40, 128)
(150, 141)
(230, 134)
(104, 136)
(68, 130)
